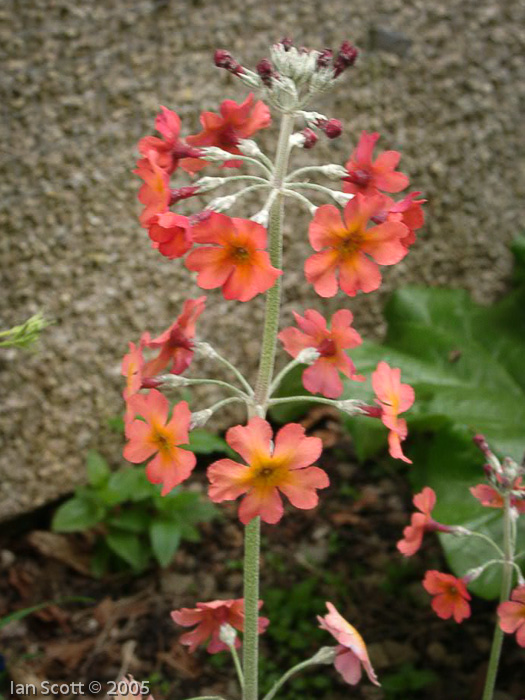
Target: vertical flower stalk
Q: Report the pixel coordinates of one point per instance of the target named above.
(506, 585)
(264, 378)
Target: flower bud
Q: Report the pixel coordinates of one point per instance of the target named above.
(333, 128)
(200, 418)
(324, 58)
(266, 72)
(220, 204)
(206, 184)
(310, 138)
(182, 193)
(224, 59)
(227, 634)
(173, 381)
(308, 356)
(286, 43)
(325, 655)
(205, 350)
(345, 58)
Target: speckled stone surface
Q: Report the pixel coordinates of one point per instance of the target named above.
(83, 82)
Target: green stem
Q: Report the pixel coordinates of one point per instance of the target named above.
(312, 186)
(473, 533)
(311, 399)
(506, 585)
(282, 374)
(238, 667)
(237, 373)
(264, 378)
(282, 680)
(301, 198)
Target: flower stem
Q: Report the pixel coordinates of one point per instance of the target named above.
(238, 667)
(282, 680)
(264, 378)
(506, 584)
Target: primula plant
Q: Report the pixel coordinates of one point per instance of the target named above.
(359, 231)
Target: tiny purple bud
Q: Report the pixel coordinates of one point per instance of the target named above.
(182, 193)
(324, 58)
(224, 59)
(200, 217)
(333, 128)
(481, 442)
(345, 58)
(265, 71)
(310, 138)
(287, 43)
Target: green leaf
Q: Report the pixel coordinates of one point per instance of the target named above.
(129, 547)
(450, 464)
(100, 560)
(202, 442)
(165, 539)
(130, 484)
(79, 513)
(98, 470)
(132, 518)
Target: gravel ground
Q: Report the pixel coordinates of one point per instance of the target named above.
(83, 82)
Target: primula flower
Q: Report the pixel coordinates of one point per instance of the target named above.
(176, 343)
(133, 369)
(155, 435)
(393, 398)
(323, 375)
(420, 523)
(170, 149)
(224, 130)
(155, 193)
(171, 234)
(450, 595)
(489, 497)
(351, 652)
(369, 177)
(409, 211)
(236, 260)
(343, 244)
(512, 615)
(285, 469)
(209, 617)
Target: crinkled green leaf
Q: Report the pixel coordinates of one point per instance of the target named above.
(79, 513)
(98, 470)
(165, 539)
(128, 546)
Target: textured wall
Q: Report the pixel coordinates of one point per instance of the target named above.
(83, 82)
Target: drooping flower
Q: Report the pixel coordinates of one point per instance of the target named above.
(420, 523)
(369, 177)
(209, 617)
(176, 342)
(171, 148)
(158, 437)
(235, 260)
(393, 398)
(171, 234)
(155, 193)
(512, 615)
(132, 368)
(269, 472)
(343, 245)
(323, 375)
(351, 652)
(450, 595)
(490, 497)
(224, 130)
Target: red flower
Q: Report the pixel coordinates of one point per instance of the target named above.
(283, 468)
(224, 130)
(133, 369)
(344, 244)
(450, 595)
(171, 234)
(155, 193)
(370, 177)
(408, 211)
(155, 435)
(323, 375)
(176, 343)
(209, 617)
(171, 148)
(236, 261)
(393, 398)
(420, 523)
(512, 615)
(491, 498)
(351, 652)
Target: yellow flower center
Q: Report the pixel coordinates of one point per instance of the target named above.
(351, 243)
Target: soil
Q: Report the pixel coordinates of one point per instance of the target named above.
(343, 551)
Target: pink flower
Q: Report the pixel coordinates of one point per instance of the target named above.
(133, 368)
(450, 595)
(344, 244)
(171, 234)
(209, 617)
(283, 468)
(369, 177)
(512, 615)
(323, 375)
(408, 211)
(155, 435)
(393, 398)
(420, 523)
(224, 130)
(155, 193)
(490, 497)
(170, 149)
(235, 260)
(351, 652)
(176, 343)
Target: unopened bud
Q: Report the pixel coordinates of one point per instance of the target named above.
(287, 43)
(200, 218)
(308, 356)
(265, 71)
(261, 217)
(333, 128)
(206, 184)
(200, 418)
(310, 138)
(205, 350)
(345, 58)
(325, 655)
(248, 147)
(182, 193)
(224, 59)
(227, 634)
(220, 204)
(324, 58)
(173, 381)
